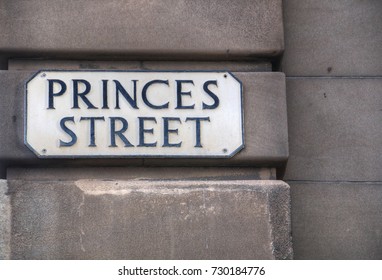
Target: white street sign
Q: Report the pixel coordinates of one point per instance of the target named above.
(73, 114)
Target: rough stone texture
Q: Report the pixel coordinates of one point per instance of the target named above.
(332, 38)
(334, 129)
(142, 173)
(336, 220)
(265, 126)
(5, 221)
(167, 28)
(97, 219)
(237, 66)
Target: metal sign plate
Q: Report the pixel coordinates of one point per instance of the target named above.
(72, 114)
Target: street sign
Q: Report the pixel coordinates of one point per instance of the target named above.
(76, 114)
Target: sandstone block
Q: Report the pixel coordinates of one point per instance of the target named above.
(336, 220)
(157, 29)
(98, 219)
(332, 38)
(334, 129)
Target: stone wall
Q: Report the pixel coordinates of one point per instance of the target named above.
(311, 73)
(332, 61)
(144, 207)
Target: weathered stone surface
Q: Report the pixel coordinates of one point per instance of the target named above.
(237, 66)
(97, 219)
(5, 221)
(142, 173)
(334, 129)
(332, 38)
(265, 127)
(336, 220)
(160, 29)
(38, 64)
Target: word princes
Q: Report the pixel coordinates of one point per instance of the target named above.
(152, 96)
